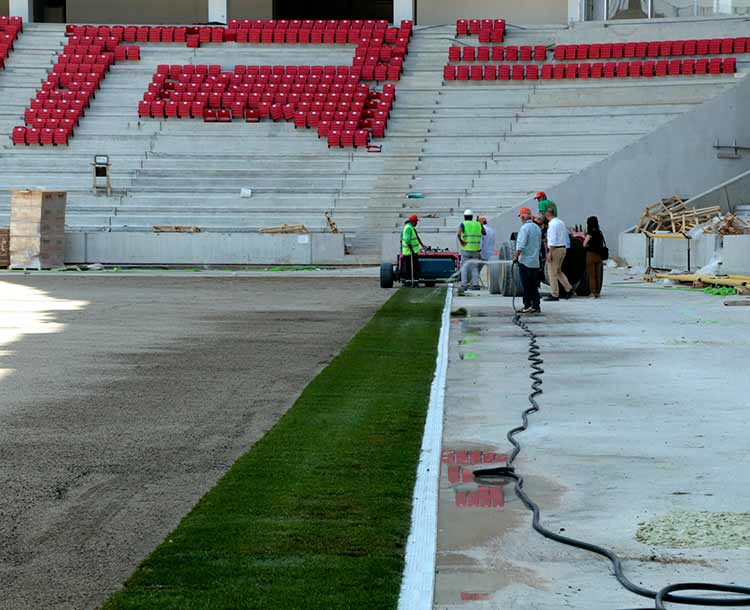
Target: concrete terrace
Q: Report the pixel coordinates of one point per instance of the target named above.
(641, 422)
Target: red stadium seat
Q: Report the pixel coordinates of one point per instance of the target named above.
(525, 53)
(498, 53)
(449, 72)
(571, 70)
(490, 73)
(517, 72)
(597, 69)
(648, 68)
(729, 66)
(469, 54)
(584, 70)
(503, 72)
(483, 54)
(19, 135)
(511, 53)
(688, 66)
(546, 71)
(634, 68)
(476, 72)
(540, 53)
(454, 53)
(532, 72)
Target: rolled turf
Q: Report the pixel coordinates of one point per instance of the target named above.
(316, 514)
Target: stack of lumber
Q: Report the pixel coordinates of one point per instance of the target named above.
(674, 216)
(730, 224)
(175, 229)
(286, 229)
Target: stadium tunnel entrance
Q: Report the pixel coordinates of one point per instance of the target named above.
(50, 11)
(333, 9)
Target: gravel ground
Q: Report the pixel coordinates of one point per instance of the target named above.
(124, 399)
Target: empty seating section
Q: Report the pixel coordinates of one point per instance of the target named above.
(10, 28)
(497, 53)
(59, 105)
(332, 99)
(636, 59)
(620, 69)
(644, 50)
(488, 30)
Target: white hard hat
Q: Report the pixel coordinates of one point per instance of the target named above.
(468, 212)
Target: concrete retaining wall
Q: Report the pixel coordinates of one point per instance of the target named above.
(668, 253)
(204, 249)
(677, 158)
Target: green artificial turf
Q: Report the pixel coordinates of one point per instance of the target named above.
(317, 513)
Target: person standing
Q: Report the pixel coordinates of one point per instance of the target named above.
(596, 252)
(470, 237)
(487, 250)
(528, 245)
(410, 244)
(558, 242)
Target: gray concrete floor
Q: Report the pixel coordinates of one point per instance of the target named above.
(123, 399)
(644, 414)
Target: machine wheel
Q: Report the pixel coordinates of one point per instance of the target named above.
(510, 279)
(386, 275)
(494, 272)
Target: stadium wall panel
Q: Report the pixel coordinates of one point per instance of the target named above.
(137, 11)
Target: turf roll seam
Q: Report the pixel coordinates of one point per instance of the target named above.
(316, 515)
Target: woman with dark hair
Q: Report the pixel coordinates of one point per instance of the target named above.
(596, 254)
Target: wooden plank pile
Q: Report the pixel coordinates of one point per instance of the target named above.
(673, 215)
(730, 224)
(285, 228)
(175, 229)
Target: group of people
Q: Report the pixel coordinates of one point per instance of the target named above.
(541, 239)
(546, 238)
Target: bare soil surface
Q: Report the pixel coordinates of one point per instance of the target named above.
(124, 399)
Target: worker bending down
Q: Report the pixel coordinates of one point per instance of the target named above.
(470, 237)
(410, 244)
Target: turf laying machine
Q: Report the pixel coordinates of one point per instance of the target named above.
(435, 266)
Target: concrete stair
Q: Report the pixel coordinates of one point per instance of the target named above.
(485, 145)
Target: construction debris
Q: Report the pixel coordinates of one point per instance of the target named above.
(729, 224)
(175, 229)
(739, 282)
(331, 224)
(672, 215)
(286, 229)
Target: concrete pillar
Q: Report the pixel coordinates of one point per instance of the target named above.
(217, 10)
(22, 8)
(576, 11)
(723, 7)
(403, 9)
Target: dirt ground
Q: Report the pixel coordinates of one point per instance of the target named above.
(124, 399)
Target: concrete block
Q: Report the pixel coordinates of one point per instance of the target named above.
(736, 255)
(327, 248)
(633, 248)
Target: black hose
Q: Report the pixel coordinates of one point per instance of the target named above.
(490, 475)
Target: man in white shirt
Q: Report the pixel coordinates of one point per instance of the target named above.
(488, 244)
(558, 242)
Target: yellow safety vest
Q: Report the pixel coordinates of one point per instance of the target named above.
(409, 240)
(472, 236)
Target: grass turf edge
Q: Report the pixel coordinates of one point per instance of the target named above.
(317, 513)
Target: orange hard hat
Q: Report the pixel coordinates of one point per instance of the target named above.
(413, 218)
(540, 195)
(482, 219)
(524, 212)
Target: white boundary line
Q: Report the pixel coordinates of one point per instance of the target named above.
(418, 582)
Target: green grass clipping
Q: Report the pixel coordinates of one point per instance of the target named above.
(317, 513)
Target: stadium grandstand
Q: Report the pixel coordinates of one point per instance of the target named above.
(208, 402)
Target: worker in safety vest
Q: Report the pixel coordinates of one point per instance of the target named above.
(410, 244)
(470, 237)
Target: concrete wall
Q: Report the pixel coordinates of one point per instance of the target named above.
(204, 248)
(250, 9)
(727, 194)
(436, 12)
(137, 11)
(4, 7)
(677, 158)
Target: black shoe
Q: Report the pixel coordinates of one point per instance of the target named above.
(550, 298)
(567, 295)
(537, 310)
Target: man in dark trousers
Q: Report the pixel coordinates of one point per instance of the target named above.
(410, 244)
(528, 245)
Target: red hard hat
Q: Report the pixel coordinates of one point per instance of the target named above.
(413, 218)
(482, 219)
(540, 195)
(524, 212)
